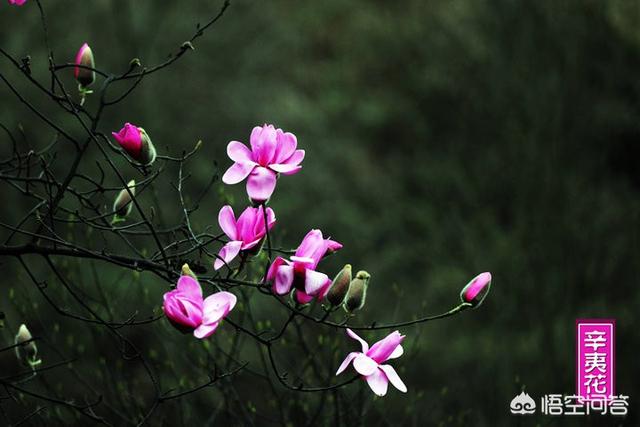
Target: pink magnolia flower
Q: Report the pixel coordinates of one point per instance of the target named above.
(300, 270)
(186, 310)
(477, 289)
(84, 57)
(17, 2)
(272, 152)
(244, 234)
(136, 143)
(369, 362)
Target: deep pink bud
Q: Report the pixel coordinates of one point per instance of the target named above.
(136, 143)
(477, 289)
(17, 2)
(84, 57)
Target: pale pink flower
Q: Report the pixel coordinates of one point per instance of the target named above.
(17, 2)
(300, 270)
(187, 311)
(245, 234)
(477, 289)
(272, 152)
(369, 362)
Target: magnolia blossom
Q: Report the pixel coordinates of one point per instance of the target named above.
(17, 2)
(246, 233)
(272, 152)
(186, 310)
(369, 362)
(300, 270)
(136, 143)
(477, 289)
(84, 57)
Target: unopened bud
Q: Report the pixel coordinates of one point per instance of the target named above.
(476, 290)
(84, 57)
(147, 150)
(357, 292)
(186, 271)
(26, 349)
(122, 205)
(340, 286)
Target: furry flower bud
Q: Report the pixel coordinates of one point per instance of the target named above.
(357, 292)
(340, 286)
(84, 57)
(122, 205)
(26, 351)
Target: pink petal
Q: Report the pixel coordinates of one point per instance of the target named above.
(237, 172)
(296, 158)
(227, 253)
(217, 306)
(364, 365)
(365, 346)
(399, 351)
(284, 169)
(333, 246)
(190, 287)
(311, 242)
(263, 144)
(378, 382)
(393, 376)
(273, 268)
(80, 53)
(286, 145)
(283, 280)
(227, 221)
(303, 298)
(314, 281)
(346, 362)
(384, 348)
(182, 311)
(204, 331)
(239, 153)
(261, 184)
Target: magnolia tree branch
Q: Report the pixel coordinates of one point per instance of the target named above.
(74, 219)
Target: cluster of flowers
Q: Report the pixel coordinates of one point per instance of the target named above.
(272, 153)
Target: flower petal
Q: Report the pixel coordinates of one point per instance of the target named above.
(237, 172)
(283, 280)
(314, 282)
(227, 221)
(217, 306)
(284, 168)
(384, 348)
(399, 351)
(378, 382)
(227, 253)
(365, 346)
(393, 376)
(239, 153)
(190, 287)
(303, 298)
(263, 144)
(346, 362)
(273, 268)
(261, 184)
(203, 331)
(364, 365)
(310, 243)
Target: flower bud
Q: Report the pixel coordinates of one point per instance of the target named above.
(340, 286)
(84, 57)
(26, 351)
(186, 271)
(357, 292)
(122, 205)
(476, 290)
(136, 143)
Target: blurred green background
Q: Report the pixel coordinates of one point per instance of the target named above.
(443, 139)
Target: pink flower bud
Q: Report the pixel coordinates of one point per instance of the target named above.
(84, 57)
(136, 143)
(477, 289)
(17, 2)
